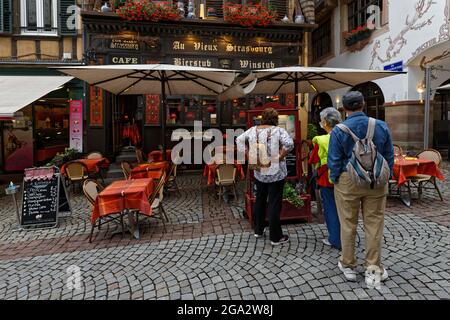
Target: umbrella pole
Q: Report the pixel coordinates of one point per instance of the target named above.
(297, 96)
(163, 107)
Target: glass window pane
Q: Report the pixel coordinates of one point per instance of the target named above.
(31, 15)
(47, 12)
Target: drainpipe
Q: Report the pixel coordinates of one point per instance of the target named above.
(426, 126)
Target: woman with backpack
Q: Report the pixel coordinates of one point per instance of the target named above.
(329, 118)
(268, 147)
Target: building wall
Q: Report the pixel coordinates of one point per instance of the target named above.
(409, 32)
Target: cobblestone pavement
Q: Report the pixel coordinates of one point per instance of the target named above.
(208, 252)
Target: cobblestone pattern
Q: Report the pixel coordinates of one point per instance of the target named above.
(209, 252)
(238, 267)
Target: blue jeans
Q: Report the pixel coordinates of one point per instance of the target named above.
(331, 216)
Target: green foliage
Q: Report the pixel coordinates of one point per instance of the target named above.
(312, 131)
(292, 196)
(67, 156)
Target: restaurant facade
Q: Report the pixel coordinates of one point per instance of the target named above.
(116, 121)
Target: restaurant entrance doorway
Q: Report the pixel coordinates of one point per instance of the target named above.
(127, 121)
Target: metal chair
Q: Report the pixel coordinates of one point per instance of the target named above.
(76, 173)
(172, 178)
(94, 155)
(91, 189)
(421, 181)
(126, 169)
(140, 156)
(226, 177)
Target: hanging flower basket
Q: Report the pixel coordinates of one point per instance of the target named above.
(147, 10)
(249, 15)
(358, 38)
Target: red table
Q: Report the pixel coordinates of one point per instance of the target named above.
(410, 167)
(145, 172)
(164, 165)
(211, 169)
(157, 155)
(92, 165)
(122, 195)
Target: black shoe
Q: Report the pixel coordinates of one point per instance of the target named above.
(283, 239)
(257, 236)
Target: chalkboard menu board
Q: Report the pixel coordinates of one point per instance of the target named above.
(44, 196)
(291, 164)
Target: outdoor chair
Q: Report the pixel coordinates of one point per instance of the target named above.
(156, 200)
(94, 155)
(172, 178)
(91, 189)
(423, 181)
(140, 156)
(76, 173)
(398, 150)
(126, 169)
(226, 177)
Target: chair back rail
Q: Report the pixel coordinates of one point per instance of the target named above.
(126, 169)
(91, 189)
(226, 172)
(397, 149)
(76, 170)
(94, 155)
(157, 192)
(431, 154)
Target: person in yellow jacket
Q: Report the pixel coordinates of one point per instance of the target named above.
(329, 118)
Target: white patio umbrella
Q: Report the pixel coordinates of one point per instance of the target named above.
(298, 79)
(155, 79)
(446, 87)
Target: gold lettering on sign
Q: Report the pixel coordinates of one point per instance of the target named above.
(248, 49)
(124, 60)
(250, 64)
(192, 62)
(124, 44)
(178, 45)
(201, 46)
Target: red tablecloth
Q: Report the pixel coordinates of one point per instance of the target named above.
(210, 172)
(143, 172)
(409, 168)
(157, 155)
(93, 165)
(124, 194)
(155, 165)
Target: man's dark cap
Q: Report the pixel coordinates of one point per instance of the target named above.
(353, 99)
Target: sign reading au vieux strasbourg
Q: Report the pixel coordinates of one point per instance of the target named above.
(225, 54)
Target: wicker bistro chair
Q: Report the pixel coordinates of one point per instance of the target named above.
(226, 177)
(126, 169)
(140, 156)
(91, 189)
(76, 173)
(94, 155)
(423, 181)
(172, 178)
(156, 202)
(397, 149)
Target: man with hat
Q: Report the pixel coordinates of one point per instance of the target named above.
(350, 198)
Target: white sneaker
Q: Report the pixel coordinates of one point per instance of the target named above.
(326, 242)
(374, 276)
(349, 273)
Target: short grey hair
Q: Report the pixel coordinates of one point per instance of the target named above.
(331, 116)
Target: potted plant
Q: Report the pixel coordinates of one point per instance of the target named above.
(358, 38)
(249, 15)
(62, 158)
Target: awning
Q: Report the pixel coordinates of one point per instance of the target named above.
(17, 92)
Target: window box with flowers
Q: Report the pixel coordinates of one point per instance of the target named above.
(147, 10)
(249, 15)
(358, 38)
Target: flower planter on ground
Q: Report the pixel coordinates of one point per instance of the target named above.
(289, 212)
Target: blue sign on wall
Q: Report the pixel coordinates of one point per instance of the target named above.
(398, 66)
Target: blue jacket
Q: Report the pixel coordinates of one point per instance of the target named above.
(341, 144)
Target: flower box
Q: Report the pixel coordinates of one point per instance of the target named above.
(148, 10)
(249, 15)
(357, 39)
(288, 211)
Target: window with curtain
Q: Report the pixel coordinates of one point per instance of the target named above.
(357, 12)
(39, 16)
(321, 41)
